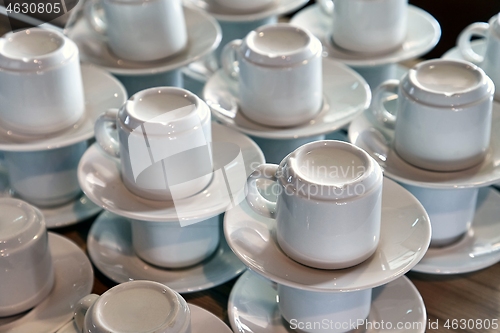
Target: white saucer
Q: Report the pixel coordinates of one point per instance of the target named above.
(253, 307)
(279, 7)
(73, 280)
(423, 34)
(478, 249)
(479, 46)
(100, 179)
(345, 95)
(377, 142)
(404, 237)
(202, 321)
(204, 36)
(109, 245)
(102, 92)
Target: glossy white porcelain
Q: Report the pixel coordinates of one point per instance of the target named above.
(278, 69)
(244, 6)
(40, 82)
(275, 150)
(110, 247)
(26, 269)
(134, 306)
(328, 204)
(443, 117)
(405, 235)
(164, 143)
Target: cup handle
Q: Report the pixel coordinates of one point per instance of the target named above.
(229, 60)
(81, 309)
(326, 6)
(256, 201)
(475, 29)
(382, 115)
(91, 13)
(104, 136)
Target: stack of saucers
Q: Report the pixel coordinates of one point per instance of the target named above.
(49, 104)
(283, 95)
(144, 43)
(441, 142)
(164, 184)
(331, 239)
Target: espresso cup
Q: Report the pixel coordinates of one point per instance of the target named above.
(443, 118)
(134, 306)
(244, 6)
(140, 30)
(367, 26)
(41, 89)
(26, 271)
(328, 208)
(490, 61)
(164, 143)
(279, 72)
(171, 245)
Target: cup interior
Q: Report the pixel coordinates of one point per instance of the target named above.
(447, 77)
(31, 43)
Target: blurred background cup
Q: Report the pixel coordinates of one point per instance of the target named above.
(279, 70)
(367, 26)
(164, 143)
(41, 90)
(244, 6)
(443, 118)
(26, 271)
(140, 30)
(134, 306)
(329, 202)
(490, 61)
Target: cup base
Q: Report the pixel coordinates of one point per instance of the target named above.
(368, 54)
(445, 242)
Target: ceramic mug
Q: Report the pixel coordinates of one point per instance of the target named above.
(279, 70)
(335, 312)
(164, 143)
(367, 26)
(26, 271)
(134, 306)
(171, 245)
(140, 30)
(490, 62)
(443, 118)
(45, 178)
(244, 6)
(329, 203)
(41, 89)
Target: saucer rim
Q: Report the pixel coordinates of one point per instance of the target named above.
(454, 53)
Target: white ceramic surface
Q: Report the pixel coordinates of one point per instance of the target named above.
(110, 247)
(140, 30)
(73, 279)
(404, 237)
(253, 307)
(102, 91)
(203, 37)
(164, 136)
(345, 95)
(275, 150)
(243, 6)
(23, 239)
(478, 46)
(278, 69)
(423, 33)
(451, 102)
(364, 133)
(328, 204)
(46, 65)
(477, 249)
(99, 177)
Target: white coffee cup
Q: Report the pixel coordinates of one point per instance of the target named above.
(41, 90)
(134, 306)
(171, 245)
(490, 62)
(367, 26)
(140, 30)
(451, 211)
(329, 203)
(334, 312)
(279, 70)
(26, 272)
(164, 143)
(443, 119)
(47, 177)
(244, 6)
